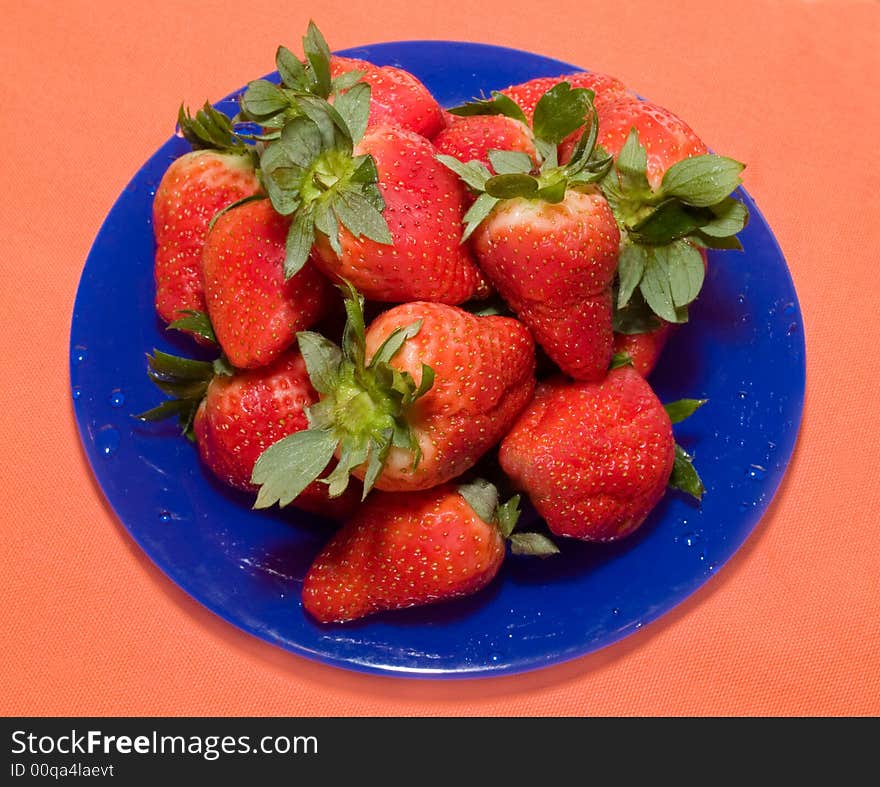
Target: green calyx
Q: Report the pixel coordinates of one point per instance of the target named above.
(360, 416)
(210, 129)
(482, 496)
(272, 105)
(663, 229)
(559, 112)
(184, 380)
(310, 173)
(684, 475)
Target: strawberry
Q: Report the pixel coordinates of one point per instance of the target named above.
(397, 97)
(234, 415)
(471, 138)
(218, 172)
(410, 403)
(413, 548)
(671, 201)
(547, 239)
(595, 458)
(255, 311)
(643, 349)
(605, 89)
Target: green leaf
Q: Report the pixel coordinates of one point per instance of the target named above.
(553, 192)
(327, 224)
(195, 322)
(655, 286)
(318, 55)
(210, 129)
(263, 99)
(684, 474)
(360, 216)
(730, 217)
(506, 162)
(302, 141)
(426, 383)
(709, 242)
(473, 173)
(482, 497)
(533, 544)
(499, 104)
(548, 154)
(685, 269)
(170, 408)
(346, 80)
(669, 221)
(328, 121)
(683, 408)
(632, 166)
(635, 317)
(511, 186)
(702, 180)
(287, 467)
(353, 107)
(560, 111)
(222, 367)
(392, 344)
(323, 360)
(174, 368)
(290, 69)
(481, 208)
(618, 360)
(375, 463)
(507, 515)
(630, 267)
(365, 171)
(298, 246)
(353, 334)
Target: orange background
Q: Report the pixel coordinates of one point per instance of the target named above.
(790, 626)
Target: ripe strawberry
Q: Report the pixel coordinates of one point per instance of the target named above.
(594, 458)
(671, 201)
(471, 138)
(255, 311)
(234, 415)
(643, 349)
(411, 403)
(408, 549)
(547, 238)
(665, 136)
(218, 172)
(397, 97)
(605, 88)
(423, 207)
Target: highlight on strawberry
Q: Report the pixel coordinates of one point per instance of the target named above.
(584, 212)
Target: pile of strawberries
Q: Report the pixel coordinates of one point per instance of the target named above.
(415, 308)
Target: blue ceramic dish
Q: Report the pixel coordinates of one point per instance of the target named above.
(743, 350)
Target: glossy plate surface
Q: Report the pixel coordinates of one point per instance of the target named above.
(743, 350)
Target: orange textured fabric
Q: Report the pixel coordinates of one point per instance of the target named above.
(89, 626)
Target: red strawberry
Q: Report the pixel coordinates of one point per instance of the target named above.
(594, 458)
(553, 263)
(233, 416)
(412, 548)
(548, 241)
(423, 208)
(397, 98)
(255, 312)
(219, 172)
(671, 200)
(665, 136)
(412, 404)
(643, 349)
(527, 94)
(471, 138)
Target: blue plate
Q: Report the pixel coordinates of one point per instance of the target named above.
(743, 350)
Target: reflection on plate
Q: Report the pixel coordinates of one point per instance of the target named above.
(743, 351)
